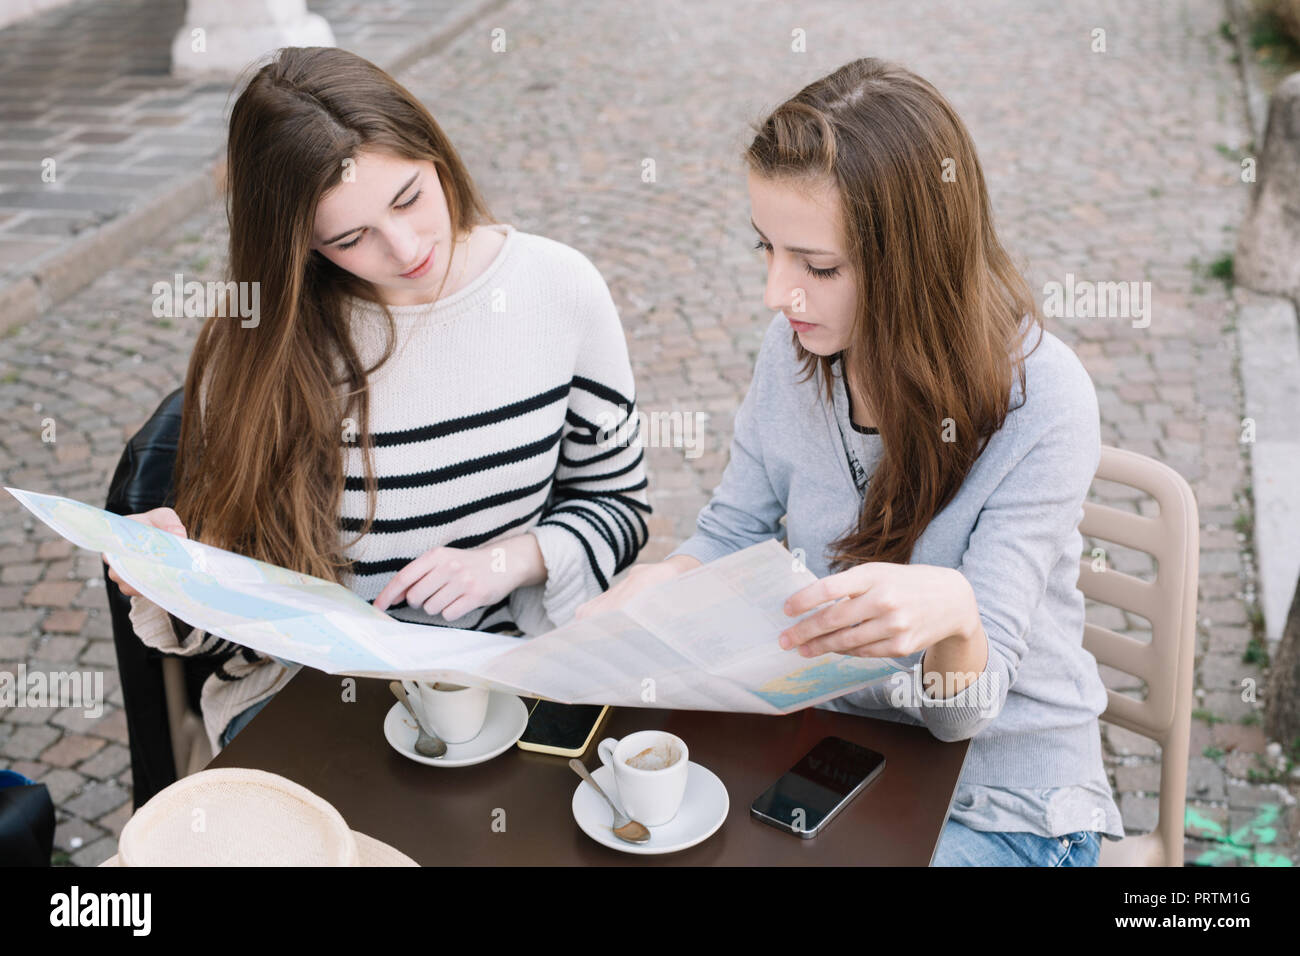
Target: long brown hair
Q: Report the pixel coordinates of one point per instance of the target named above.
(259, 468)
(939, 300)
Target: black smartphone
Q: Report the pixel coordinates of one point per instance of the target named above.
(819, 786)
(563, 729)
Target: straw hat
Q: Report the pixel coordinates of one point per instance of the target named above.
(235, 816)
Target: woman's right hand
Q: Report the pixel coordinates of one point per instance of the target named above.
(164, 518)
(638, 579)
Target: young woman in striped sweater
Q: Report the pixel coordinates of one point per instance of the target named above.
(421, 410)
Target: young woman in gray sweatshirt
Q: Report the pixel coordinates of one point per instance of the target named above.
(929, 446)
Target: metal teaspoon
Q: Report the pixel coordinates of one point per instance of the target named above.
(625, 828)
(426, 744)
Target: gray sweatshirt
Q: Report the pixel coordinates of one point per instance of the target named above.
(1035, 760)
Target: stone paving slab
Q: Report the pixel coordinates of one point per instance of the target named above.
(92, 125)
(1100, 165)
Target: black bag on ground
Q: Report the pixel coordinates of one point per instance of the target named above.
(26, 821)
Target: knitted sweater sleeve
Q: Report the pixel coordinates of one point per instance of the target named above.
(171, 635)
(593, 525)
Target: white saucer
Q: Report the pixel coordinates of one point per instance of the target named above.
(507, 716)
(704, 807)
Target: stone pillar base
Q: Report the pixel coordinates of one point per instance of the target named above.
(221, 39)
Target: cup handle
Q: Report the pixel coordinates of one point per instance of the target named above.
(605, 750)
(412, 689)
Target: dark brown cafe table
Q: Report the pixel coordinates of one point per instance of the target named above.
(336, 748)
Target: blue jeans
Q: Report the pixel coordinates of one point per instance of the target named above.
(959, 845)
(241, 720)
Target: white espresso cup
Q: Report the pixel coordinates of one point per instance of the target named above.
(456, 715)
(651, 797)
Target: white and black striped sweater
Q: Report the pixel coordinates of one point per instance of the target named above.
(487, 422)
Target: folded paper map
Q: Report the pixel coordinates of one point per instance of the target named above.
(706, 640)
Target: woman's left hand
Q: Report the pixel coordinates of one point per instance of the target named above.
(882, 610)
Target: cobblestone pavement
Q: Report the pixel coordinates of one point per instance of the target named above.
(88, 86)
(1110, 166)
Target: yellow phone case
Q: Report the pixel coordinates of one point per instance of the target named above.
(563, 751)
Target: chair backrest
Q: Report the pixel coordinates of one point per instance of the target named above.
(166, 734)
(143, 478)
(1165, 664)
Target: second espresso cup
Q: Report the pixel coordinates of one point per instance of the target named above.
(454, 712)
(651, 797)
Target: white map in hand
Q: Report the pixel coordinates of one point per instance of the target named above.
(706, 640)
